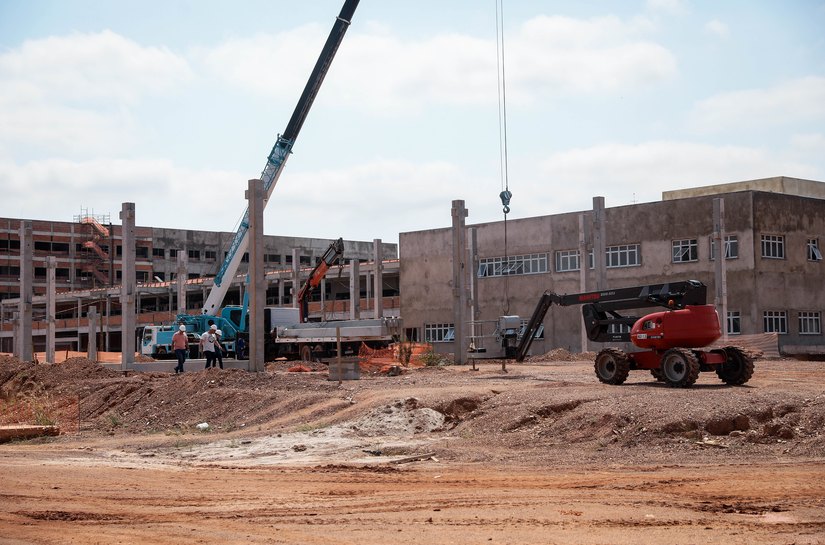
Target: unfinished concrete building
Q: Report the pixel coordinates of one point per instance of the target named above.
(88, 253)
(773, 261)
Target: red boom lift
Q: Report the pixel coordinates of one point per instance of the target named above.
(671, 338)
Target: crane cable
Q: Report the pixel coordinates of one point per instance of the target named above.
(505, 194)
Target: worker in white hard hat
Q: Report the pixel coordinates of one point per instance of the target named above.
(180, 344)
(219, 347)
(208, 346)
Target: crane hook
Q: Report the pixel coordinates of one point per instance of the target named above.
(505, 199)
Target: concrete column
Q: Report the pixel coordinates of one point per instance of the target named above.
(323, 288)
(180, 280)
(257, 281)
(472, 277)
(720, 266)
(583, 269)
(108, 320)
(281, 286)
(296, 277)
(378, 258)
(459, 287)
(127, 289)
(26, 291)
(354, 289)
(599, 244)
(51, 293)
(91, 347)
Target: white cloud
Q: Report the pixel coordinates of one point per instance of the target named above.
(546, 56)
(791, 101)
(639, 173)
(717, 28)
(74, 94)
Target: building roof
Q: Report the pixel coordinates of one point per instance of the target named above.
(777, 184)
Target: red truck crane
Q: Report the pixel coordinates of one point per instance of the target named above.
(672, 339)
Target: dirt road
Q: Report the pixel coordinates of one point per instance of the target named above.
(541, 454)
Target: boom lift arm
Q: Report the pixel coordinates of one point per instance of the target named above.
(333, 254)
(278, 156)
(601, 308)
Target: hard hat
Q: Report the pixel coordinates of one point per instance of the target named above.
(219, 332)
(213, 327)
(182, 327)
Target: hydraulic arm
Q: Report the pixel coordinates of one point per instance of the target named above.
(278, 156)
(333, 254)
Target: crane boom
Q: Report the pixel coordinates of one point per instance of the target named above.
(278, 156)
(333, 254)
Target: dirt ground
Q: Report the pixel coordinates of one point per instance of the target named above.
(541, 453)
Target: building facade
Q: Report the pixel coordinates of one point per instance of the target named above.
(774, 231)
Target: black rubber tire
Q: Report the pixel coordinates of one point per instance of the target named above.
(306, 353)
(738, 366)
(612, 366)
(658, 375)
(680, 368)
(161, 353)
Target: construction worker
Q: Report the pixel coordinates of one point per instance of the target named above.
(219, 347)
(208, 342)
(180, 344)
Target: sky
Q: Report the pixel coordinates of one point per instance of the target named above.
(174, 105)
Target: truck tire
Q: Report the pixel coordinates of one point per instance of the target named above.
(612, 366)
(306, 353)
(738, 366)
(161, 352)
(680, 368)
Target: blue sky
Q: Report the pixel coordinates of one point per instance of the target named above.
(175, 105)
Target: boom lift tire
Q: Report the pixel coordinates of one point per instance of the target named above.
(612, 366)
(680, 367)
(738, 366)
(658, 375)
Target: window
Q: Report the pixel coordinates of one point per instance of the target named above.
(567, 260)
(775, 321)
(305, 260)
(809, 323)
(814, 254)
(773, 246)
(245, 257)
(173, 254)
(9, 244)
(626, 255)
(194, 254)
(516, 264)
(272, 258)
(211, 256)
(685, 250)
(142, 252)
(438, 333)
(142, 276)
(731, 247)
(158, 252)
(734, 322)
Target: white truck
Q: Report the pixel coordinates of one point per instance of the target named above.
(312, 340)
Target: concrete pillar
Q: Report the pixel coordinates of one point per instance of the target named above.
(127, 289)
(459, 287)
(720, 266)
(583, 269)
(378, 258)
(180, 280)
(354, 289)
(91, 347)
(323, 288)
(108, 320)
(296, 277)
(599, 244)
(257, 281)
(26, 291)
(281, 286)
(51, 295)
(472, 278)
